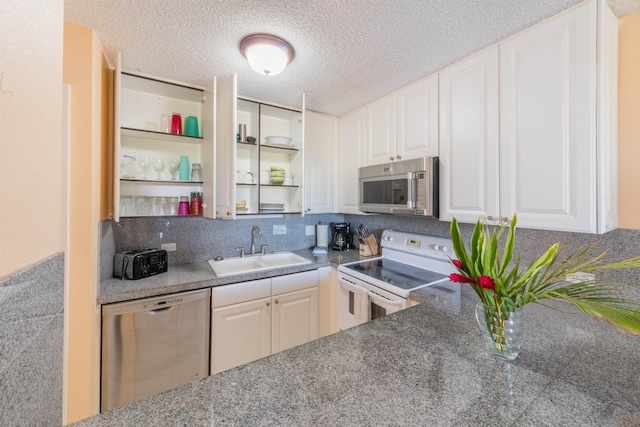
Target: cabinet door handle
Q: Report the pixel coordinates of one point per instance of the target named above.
(268, 304)
(398, 157)
(391, 158)
(277, 301)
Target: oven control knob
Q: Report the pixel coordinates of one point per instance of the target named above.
(443, 248)
(436, 247)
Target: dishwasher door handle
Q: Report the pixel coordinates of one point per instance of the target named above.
(161, 310)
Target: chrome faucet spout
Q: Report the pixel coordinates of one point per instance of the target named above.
(253, 238)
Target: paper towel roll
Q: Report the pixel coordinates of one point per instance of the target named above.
(322, 235)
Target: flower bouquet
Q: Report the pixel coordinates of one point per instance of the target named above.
(504, 288)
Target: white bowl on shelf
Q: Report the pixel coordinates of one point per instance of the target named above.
(278, 140)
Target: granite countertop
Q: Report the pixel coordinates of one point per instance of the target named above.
(425, 365)
(199, 275)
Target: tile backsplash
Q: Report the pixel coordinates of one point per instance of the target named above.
(200, 239)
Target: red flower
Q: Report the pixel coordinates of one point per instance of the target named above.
(459, 278)
(486, 282)
(458, 264)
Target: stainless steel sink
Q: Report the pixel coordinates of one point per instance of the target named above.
(250, 264)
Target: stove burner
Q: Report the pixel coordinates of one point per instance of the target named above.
(401, 275)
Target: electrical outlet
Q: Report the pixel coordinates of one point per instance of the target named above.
(169, 247)
(310, 230)
(580, 276)
(280, 229)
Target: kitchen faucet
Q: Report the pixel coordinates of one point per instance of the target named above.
(253, 238)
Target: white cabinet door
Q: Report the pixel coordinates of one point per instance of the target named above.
(381, 130)
(469, 138)
(418, 119)
(294, 319)
(607, 117)
(209, 150)
(240, 333)
(350, 156)
(320, 133)
(327, 301)
(548, 123)
(226, 125)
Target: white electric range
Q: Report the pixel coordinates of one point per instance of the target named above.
(375, 287)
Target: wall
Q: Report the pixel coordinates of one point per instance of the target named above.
(31, 181)
(88, 73)
(32, 227)
(629, 121)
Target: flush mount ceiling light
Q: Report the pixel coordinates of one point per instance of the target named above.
(267, 54)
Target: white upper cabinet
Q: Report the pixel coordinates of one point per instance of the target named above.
(320, 135)
(381, 130)
(551, 156)
(144, 145)
(263, 172)
(417, 127)
(547, 163)
(350, 156)
(403, 125)
(469, 141)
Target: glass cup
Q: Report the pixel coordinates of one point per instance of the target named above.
(145, 163)
(172, 206)
(143, 206)
(127, 206)
(158, 167)
(173, 166)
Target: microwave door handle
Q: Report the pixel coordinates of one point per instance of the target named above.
(413, 190)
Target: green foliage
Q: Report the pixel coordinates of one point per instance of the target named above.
(509, 288)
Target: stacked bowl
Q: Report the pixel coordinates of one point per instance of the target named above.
(277, 175)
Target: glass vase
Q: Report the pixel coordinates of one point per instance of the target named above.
(503, 330)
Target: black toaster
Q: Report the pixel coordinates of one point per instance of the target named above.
(141, 263)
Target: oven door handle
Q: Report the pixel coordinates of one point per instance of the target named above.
(347, 284)
(387, 302)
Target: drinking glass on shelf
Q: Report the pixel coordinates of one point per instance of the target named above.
(158, 167)
(127, 160)
(127, 206)
(174, 165)
(145, 163)
(143, 206)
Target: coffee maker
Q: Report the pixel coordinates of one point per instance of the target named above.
(341, 236)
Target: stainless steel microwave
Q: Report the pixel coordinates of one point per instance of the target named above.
(407, 187)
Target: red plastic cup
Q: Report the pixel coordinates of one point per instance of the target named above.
(176, 124)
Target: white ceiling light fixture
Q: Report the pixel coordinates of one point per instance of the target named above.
(266, 54)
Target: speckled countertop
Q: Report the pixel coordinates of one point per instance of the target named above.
(198, 275)
(422, 366)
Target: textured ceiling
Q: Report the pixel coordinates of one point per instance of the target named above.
(347, 52)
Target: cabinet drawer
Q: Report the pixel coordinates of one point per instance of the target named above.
(294, 282)
(240, 292)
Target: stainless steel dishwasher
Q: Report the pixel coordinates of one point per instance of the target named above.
(153, 345)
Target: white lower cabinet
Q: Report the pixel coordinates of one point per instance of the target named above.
(294, 319)
(251, 320)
